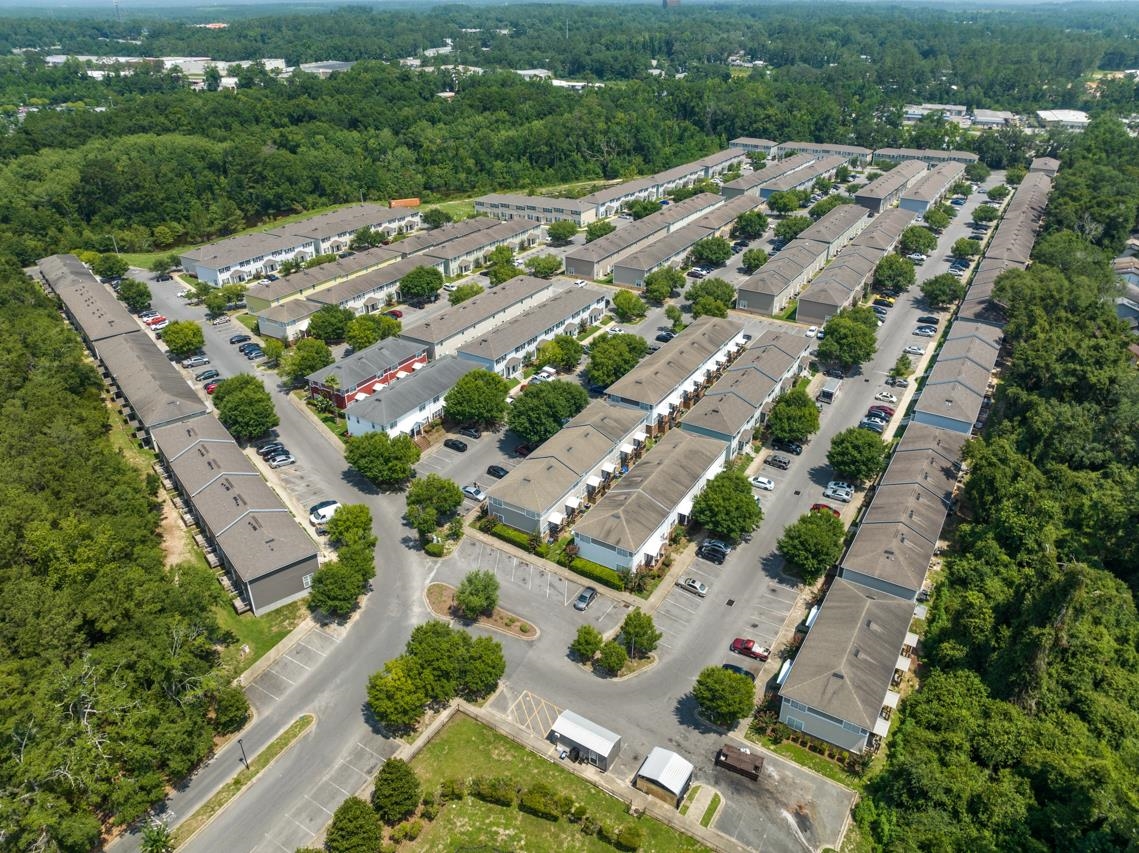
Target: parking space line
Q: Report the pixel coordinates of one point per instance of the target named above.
(297, 662)
(283, 678)
(311, 649)
(326, 634)
(301, 825)
(365, 748)
(318, 805)
(682, 607)
(266, 692)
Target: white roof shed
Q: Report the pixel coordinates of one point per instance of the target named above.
(598, 743)
(667, 769)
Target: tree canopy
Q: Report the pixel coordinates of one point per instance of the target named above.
(727, 506)
(479, 397)
(330, 323)
(540, 410)
(430, 500)
(383, 460)
(628, 306)
(306, 357)
(713, 251)
(942, 290)
(813, 544)
(857, 454)
(917, 239)
(794, 417)
(894, 273)
(724, 697)
(183, 338)
(367, 329)
(420, 283)
(245, 406)
(661, 284)
(792, 227)
(848, 338)
(612, 356)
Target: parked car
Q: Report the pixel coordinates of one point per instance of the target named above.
(220, 321)
(873, 425)
(738, 670)
(147, 314)
(777, 461)
(254, 354)
(273, 448)
(496, 471)
(750, 649)
(897, 382)
(719, 543)
(879, 310)
(826, 508)
(917, 257)
(694, 586)
(834, 373)
(881, 302)
(888, 411)
(763, 483)
(240, 339)
(522, 450)
(206, 375)
(455, 444)
(838, 495)
(211, 387)
(474, 492)
(585, 598)
(665, 337)
(281, 461)
(155, 320)
(470, 432)
(322, 512)
(885, 397)
(711, 555)
(914, 349)
(812, 331)
(929, 320)
(789, 446)
(248, 345)
(195, 361)
(925, 331)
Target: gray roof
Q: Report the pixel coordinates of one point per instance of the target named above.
(892, 551)
(935, 183)
(425, 240)
(408, 394)
(960, 329)
(380, 278)
(534, 324)
(519, 200)
(484, 239)
(741, 141)
(290, 311)
(1049, 165)
(662, 250)
(910, 505)
(772, 170)
(921, 437)
(369, 363)
(644, 498)
(933, 469)
(91, 304)
(459, 318)
(847, 272)
(174, 439)
(885, 229)
(206, 461)
(790, 180)
(155, 389)
(827, 147)
(557, 467)
(729, 211)
(925, 153)
(954, 390)
(235, 250)
(634, 232)
(311, 279)
(970, 349)
(834, 224)
(893, 181)
(664, 371)
(847, 662)
(776, 275)
(326, 225)
(727, 406)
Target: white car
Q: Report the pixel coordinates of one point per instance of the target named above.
(694, 586)
(281, 461)
(840, 485)
(811, 332)
(581, 282)
(838, 495)
(616, 330)
(925, 331)
(763, 483)
(885, 397)
(474, 492)
(913, 349)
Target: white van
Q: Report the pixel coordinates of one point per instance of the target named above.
(321, 513)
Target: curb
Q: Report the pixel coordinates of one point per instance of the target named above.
(480, 623)
(282, 648)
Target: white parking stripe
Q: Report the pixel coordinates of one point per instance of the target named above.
(318, 805)
(263, 690)
(311, 649)
(297, 662)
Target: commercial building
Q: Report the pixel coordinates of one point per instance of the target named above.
(665, 776)
(751, 143)
(931, 188)
(1067, 119)
(333, 231)
(461, 255)
(236, 259)
(739, 400)
(802, 178)
(407, 405)
(270, 560)
(993, 118)
(629, 527)
(913, 112)
(669, 250)
(854, 154)
(358, 375)
(448, 330)
(504, 349)
(751, 183)
(592, 743)
(770, 290)
(882, 192)
(669, 381)
(569, 471)
(839, 688)
(932, 156)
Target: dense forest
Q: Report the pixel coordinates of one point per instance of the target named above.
(1025, 733)
(109, 689)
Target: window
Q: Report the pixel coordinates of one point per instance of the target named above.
(306, 581)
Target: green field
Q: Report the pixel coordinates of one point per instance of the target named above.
(466, 748)
(260, 633)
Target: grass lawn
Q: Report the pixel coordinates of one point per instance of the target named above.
(788, 314)
(249, 321)
(710, 812)
(805, 758)
(463, 208)
(465, 748)
(260, 633)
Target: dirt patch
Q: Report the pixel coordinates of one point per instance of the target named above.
(441, 600)
(175, 537)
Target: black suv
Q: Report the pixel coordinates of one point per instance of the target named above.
(455, 444)
(928, 320)
(497, 471)
(789, 446)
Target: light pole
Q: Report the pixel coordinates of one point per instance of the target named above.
(114, 243)
(244, 760)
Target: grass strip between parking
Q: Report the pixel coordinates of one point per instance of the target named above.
(187, 828)
(710, 812)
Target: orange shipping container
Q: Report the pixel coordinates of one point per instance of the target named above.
(404, 202)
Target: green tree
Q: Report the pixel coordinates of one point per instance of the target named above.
(638, 633)
(330, 323)
(157, 837)
(813, 544)
(794, 417)
(307, 357)
(998, 193)
(483, 667)
(894, 273)
(642, 208)
(351, 523)
(597, 230)
(436, 217)
(661, 284)
(109, 266)
(674, 316)
(247, 412)
(396, 695)
(713, 251)
(367, 329)
(785, 202)
(134, 294)
(562, 231)
(724, 697)
(612, 356)
(215, 302)
(842, 174)
(499, 273)
(847, 341)
(163, 264)
(464, 292)
(479, 397)
(541, 410)
(753, 259)
(382, 460)
(587, 643)
(430, 500)
(231, 708)
(396, 791)
(985, 213)
(183, 338)
(273, 350)
(791, 227)
(917, 239)
(902, 368)
(937, 219)
(563, 352)
(477, 594)
(963, 247)
(544, 266)
(942, 290)
(706, 306)
(824, 206)
(421, 283)
(336, 588)
(355, 828)
(441, 652)
(750, 225)
(367, 238)
(628, 306)
(977, 172)
(857, 454)
(613, 657)
(727, 506)
(714, 288)
(1014, 175)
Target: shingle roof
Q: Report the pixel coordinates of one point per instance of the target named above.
(90, 303)
(935, 183)
(847, 662)
(664, 249)
(776, 275)
(927, 153)
(893, 181)
(155, 389)
(910, 505)
(406, 395)
(771, 171)
(883, 232)
(368, 363)
(326, 225)
(311, 279)
(828, 147)
(484, 239)
(289, 312)
(458, 318)
(728, 212)
(425, 240)
(641, 229)
(174, 439)
(790, 180)
(235, 250)
(834, 223)
(890, 551)
(518, 330)
(378, 279)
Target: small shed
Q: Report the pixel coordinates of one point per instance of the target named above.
(591, 742)
(664, 775)
(739, 760)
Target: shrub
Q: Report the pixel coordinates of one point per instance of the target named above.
(612, 657)
(509, 534)
(429, 812)
(579, 813)
(452, 789)
(589, 825)
(596, 572)
(629, 837)
(433, 549)
(396, 792)
(541, 801)
(494, 789)
(407, 831)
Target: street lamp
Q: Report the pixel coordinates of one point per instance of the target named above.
(244, 760)
(114, 243)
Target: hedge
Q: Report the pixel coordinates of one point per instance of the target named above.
(497, 789)
(509, 534)
(597, 572)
